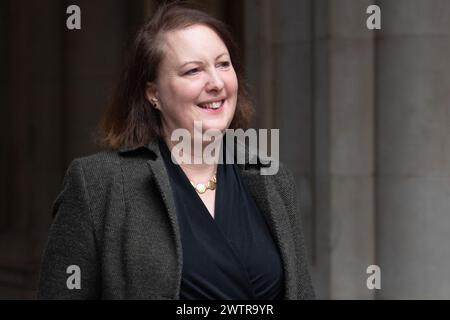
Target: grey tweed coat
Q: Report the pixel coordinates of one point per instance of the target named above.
(115, 219)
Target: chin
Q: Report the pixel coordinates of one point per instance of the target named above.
(216, 125)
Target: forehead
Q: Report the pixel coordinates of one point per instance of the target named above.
(197, 42)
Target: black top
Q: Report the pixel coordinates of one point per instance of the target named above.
(230, 256)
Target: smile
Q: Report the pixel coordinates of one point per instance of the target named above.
(216, 105)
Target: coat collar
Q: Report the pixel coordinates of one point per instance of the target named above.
(243, 151)
(260, 187)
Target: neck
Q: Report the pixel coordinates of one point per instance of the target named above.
(193, 163)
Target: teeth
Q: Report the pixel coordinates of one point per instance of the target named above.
(214, 105)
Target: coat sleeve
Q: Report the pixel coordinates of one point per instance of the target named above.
(293, 206)
(70, 264)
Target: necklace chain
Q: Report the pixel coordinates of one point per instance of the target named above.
(201, 188)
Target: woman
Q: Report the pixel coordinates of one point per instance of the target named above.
(132, 223)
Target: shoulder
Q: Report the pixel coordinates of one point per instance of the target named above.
(283, 178)
(103, 170)
(91, 180)
(285, 182)
(284, 174)
(100, 167)
(83, 175)
(98, 164)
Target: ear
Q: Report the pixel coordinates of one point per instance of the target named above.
(152, 95)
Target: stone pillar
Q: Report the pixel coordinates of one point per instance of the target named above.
(215, 8)
(54, 84)
(413, 149)
(4, 111)
(93, 60)
(278, 59)
(31, 122)
(343, 148)
(259, 58)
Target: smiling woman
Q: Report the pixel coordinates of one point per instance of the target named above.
(135, 224)
(196, 81)
(179, 48)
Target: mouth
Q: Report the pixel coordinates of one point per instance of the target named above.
(212, 106)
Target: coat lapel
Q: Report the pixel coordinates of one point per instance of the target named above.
(161, 177)
(263, 192)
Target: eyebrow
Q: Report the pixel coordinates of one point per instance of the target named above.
(200, 62)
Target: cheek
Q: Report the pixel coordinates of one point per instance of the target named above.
(232, 83)
(183, 92)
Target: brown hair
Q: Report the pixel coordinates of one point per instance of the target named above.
(130, 120)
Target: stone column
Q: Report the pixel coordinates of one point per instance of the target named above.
(31, 122)
(258, 57)
(278, 55)
(54, 84)
(4, 111)
(92, 65)
(413, 149)
(343, 148)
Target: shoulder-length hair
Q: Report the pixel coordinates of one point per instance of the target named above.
(129, 119)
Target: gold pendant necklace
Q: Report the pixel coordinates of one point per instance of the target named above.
(201, 188)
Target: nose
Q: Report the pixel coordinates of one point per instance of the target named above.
(215, 82)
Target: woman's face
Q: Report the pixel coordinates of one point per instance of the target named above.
(196, 81)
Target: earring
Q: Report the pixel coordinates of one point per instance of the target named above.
(155, 102)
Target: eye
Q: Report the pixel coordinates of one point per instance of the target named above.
(224, 64)
(192, 71)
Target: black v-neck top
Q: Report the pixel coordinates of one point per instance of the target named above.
(231, 255)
